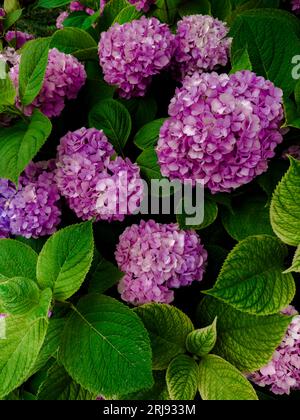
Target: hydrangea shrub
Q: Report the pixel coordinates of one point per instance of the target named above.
(105, 294)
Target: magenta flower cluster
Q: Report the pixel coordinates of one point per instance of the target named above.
(222, 130)
(200, 45)
(157, 258)
(95, 185)
(32, 210)
(282, 374)
(75, 6)
(132, 53)
(18, 37)
(295, 4)
(2, 15)
(64, 77)
(142, 5)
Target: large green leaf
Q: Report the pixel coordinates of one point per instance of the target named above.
(20, 143)
(111, 10)
(7, 92)
(202, 341)
(65, 260)
(24, 338)
(58, 385)
(285, 206)
(75, 41)
(51, 4)
(219, 380)
(104, 277)
(251, 278)
(33, 66)
(272, 43)
(127, 14)
(250, 216)
(182, 378)
(18, 295)
(17, 260)
(246, 341)
(113, 353)
(113, 118)
(168, 329)
(147, 136)
(147, 161)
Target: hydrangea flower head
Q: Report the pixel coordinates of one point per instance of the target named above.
(157, 258)
(222, 130)
(142, 5)
(2, 15)
(64, 77)
(201, 45)
(130, 54)
(282, 374)
(20, 38)
(10, 56)
(34, 210)
(7, 191)
(95, 185)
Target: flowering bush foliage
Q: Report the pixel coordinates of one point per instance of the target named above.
(149, 200)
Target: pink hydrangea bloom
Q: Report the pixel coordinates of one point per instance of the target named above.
(95, 185)
(222, 130)
(157, 258)
(20, 38)
(201, 45)
(60, 20)
(34, 209)
(295, 4)
(10, 56)
(132, 53)
(282, 374)
(293, 151)
(2, 14)
(142, 5)
(64, 77)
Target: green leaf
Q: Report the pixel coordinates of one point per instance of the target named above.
(148, 163)
(18, 352)
(246, 341)
(75, 20)
(250, 216)
(60, 386)
(292, 115)
(168, 329)
(219, 380)
(201, 342)
(272, 43)
(111, 10)
(113, 118)
(295, 268)
(11, 5)
(285, 206)
(74, 41)
(182, 378)
(147, 136)
(11, 18)
(51, 4)
(113, 352)
(17, 260)
(142, 110)
(240, 60)
(104, 277)
(255, 285)
(210, 215)
(158, 392)
(65, 260)
(7, 92)
(195, 7)
(34, 60)
(221, 9)
(127, 14)
(19, 295)
(20, 143)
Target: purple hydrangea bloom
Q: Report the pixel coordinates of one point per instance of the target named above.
(142, 5)
(60, 20)
(7, 191)
(132, 53)
(20, 38)
(295, 4)
(157, 258)
(10, 56)
(94, 185)
(222, 130)
(34, 210)
(282, 373)
(64, 77)
(200, 45)
(2, 14)
(293, 151)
